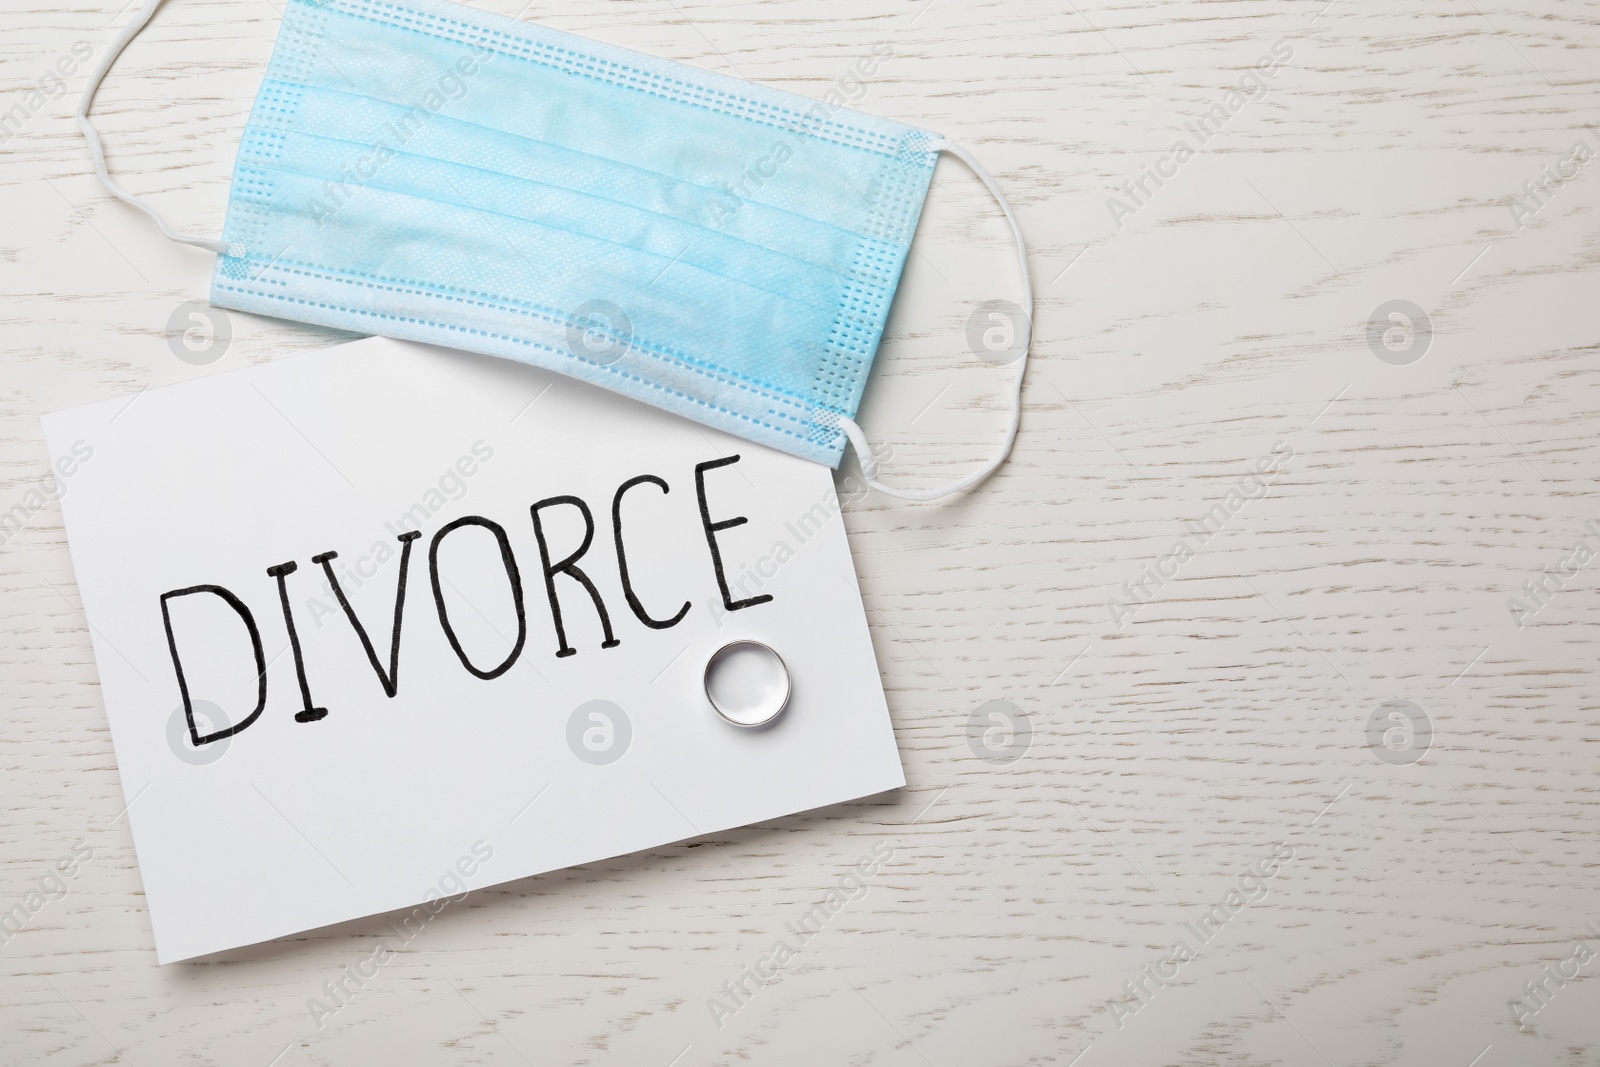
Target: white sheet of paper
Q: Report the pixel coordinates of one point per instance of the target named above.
(457, 781)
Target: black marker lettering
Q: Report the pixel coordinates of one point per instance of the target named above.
(569, 566)
(622, 558)
(390, 680)
(714, 528)
(183, 686)
(512, 575)
(307, 713)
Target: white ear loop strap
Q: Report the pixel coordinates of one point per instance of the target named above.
(869, 463)
(97, 150)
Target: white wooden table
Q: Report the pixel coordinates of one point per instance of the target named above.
(1217, 727)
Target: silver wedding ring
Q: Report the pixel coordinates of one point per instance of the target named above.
(747, 683)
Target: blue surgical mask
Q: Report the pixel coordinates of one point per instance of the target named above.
(723, 250)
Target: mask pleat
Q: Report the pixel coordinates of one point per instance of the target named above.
(507, 256)
(511, 92)
(659, 239)
(382, 129)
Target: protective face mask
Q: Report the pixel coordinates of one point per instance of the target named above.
(726, 251)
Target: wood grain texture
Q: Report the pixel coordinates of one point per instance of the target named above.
(1227, 717)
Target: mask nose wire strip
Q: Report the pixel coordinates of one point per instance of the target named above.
(858, 439)
(97, 150)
